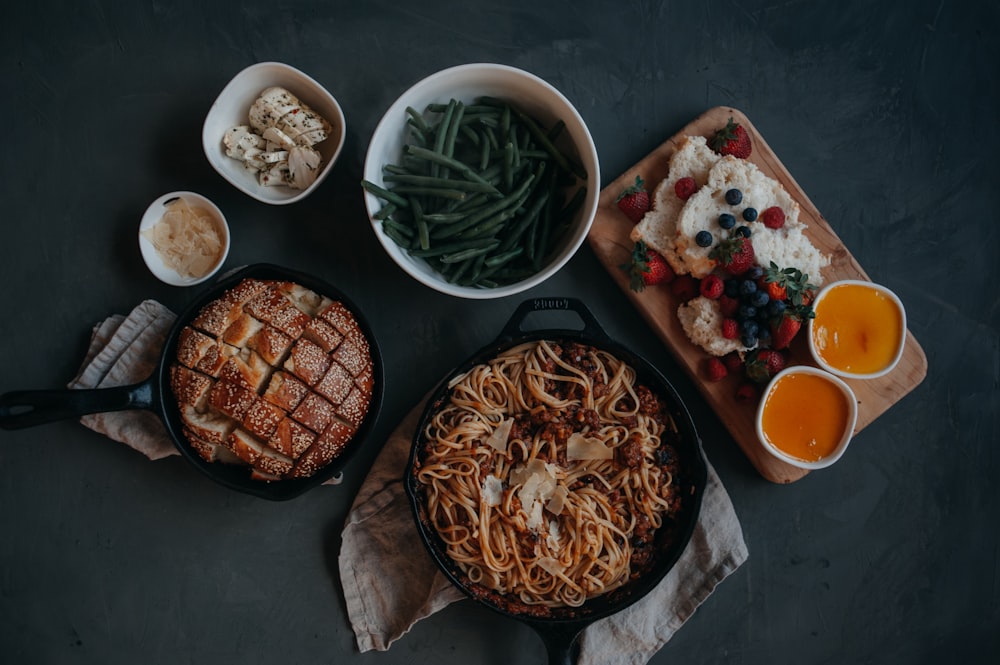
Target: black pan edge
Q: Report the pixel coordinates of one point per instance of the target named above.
(238, 477)
(696, 477)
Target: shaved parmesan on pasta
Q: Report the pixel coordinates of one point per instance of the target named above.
(550, 565)
(498, 438)
(492, 491)
(585, 447)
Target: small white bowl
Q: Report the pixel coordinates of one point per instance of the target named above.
(848, 426)
(527, 92)
(154, 262)
(232, 107)
(813, 328)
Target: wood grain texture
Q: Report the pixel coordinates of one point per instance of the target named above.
(609, 238)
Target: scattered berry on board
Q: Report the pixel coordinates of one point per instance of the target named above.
(646, 268)
(715, 369)
(634, 201)
(732, 140)
(685, 287)
(712, 287)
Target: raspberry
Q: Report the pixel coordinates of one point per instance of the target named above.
(729, 306)
(733, 362)
(730, 328)
(715, 370)
(773, 217)
(685, 187)
(747, 392)
(712, 287)
(684, 287)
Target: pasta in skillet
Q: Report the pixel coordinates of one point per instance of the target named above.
(546, 472)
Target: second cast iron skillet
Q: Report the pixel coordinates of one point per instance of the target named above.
(28, 408)
(560, 630)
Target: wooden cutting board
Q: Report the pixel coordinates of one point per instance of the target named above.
(609, 238)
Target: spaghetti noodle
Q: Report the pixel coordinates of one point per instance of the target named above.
(546, 472)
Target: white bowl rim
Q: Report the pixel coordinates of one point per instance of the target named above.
(152, 258)
(845, 441)
(856, 375)
(210, 141)
(393, 115)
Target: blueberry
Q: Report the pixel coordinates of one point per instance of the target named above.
(727, 221)
(762, 314)
(776, 307)
(750, 327)
(747, 312)
(703, 239)
(747, 287)
(734, 197)
(759, 299)
(748, 341)
(743, 231)
(732, 287)
(764, 335)
(750, 214)
(754, 272)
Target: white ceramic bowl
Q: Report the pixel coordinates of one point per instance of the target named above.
(152, 257)
(848, 425)
(819, 323)
(527, 92)
(231, 108)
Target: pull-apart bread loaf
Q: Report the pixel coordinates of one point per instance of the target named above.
(274, 376)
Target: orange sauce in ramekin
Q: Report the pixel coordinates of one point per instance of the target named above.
(858, 329)
(805, 416)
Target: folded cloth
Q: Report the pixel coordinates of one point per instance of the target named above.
(389, 586)
(125, 350)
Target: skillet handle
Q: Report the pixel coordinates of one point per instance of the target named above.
(591, 327)
(560, 642)
(27, 408)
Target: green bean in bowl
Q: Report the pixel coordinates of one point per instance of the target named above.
(484, 197)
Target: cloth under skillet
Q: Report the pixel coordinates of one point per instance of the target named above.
(389, 584)
(125, 350)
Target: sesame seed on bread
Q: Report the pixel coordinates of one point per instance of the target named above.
(273, 376)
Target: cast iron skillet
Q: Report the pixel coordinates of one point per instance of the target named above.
(34, 407)
(560, 631)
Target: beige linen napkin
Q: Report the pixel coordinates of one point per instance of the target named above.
(389, 584)
(125, 350)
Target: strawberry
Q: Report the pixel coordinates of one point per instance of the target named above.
(774, 290)
(685, 287)
(791, 285)
(773, 217)
(785, 330)
(730, 328)
(647, 268)
(734, 254)
(764, 364)
(732, 140)
(712, 287)
(715, 370)
(634, 201)
(685, 187)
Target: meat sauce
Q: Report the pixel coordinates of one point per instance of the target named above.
(556, 425)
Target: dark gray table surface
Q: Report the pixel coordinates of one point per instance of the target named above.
(886, 115)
